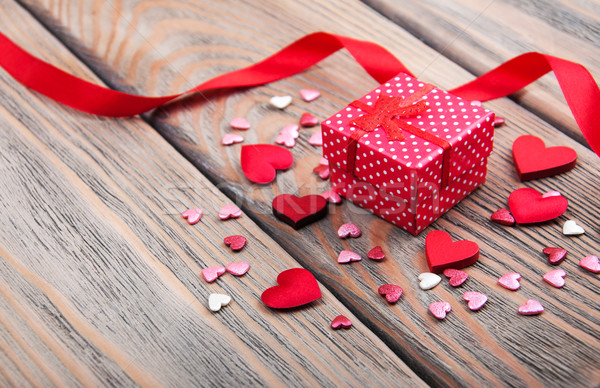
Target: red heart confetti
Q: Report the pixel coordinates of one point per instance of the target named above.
(235, 242)
(299, 211)
(348, 256)
(528, 206)
(591, 263)
(555, 255)
(231, 138)
(498, 121)
(348, 229)
(316, 139)
(308, 120)
(556, 277)
(391, 292)
(476, 300)
(309, 95)
(297, 287)
(323, 171)
(259, 161)
(192, 215)
(376, 254)
(239, 123)
(439, 309)
(531, 307)
(229, 211)
(211, 274)
(332, 197)
(510, 281)
(237, 269)
(457, 277)
(503, 217)
(443, 253)
(533, 160)
(340, 322)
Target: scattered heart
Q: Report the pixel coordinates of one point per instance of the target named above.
(555, 255)
(498, 121)
(443, 253)
(299, 211)
(591, 263)
(510, 281)
(216, 301)
(280, 102)
(238, 269)
(322, 171)
(260, 161)
(570, 228)
(229, 211)
(231, 138)
(239, 123)
(308, 120)
(552, 193)
(316, 139)
(533, 160)
(309, 95)
(556, 277)
(348, 229)
(297, 287)
(503, 217)
(476, 103)
(235, 242)
(376, 254)
(288, 135)
(457, 277)
(332, 197)
(391, 292)
(476, 300)
(531, 307)
(428, 280)
(324, 162)
(348, 256)
(340, 322)
(192, 215)
(211, 274)
(528, 206)
(439, 309)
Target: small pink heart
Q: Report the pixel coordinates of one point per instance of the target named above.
(476, 103)
(316, 139)
(309, 94)
(239, 123)
(235, 242)
(286, 139)
(308, 120)
(231, 138)
(323, 171)
(456, 276)
(324, 162)
(229, 211)
(510, 281)
(498, 121)
(291, 129)
(192, 215)
(340, 322)
(237, 269)
(211, 274)
(391, 292)
(531, 307)
(556, 277)
(439, 309)
(591, 263)
(376, 254)
(348, 256)
(349, 230)
(503, 217)
(332, 197)
(476, 300)
(555, 255)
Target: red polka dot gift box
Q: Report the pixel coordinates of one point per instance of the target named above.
(408, 151)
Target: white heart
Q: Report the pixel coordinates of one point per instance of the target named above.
(428, 280)
(570, 228)
(280, 102)
(216, 301)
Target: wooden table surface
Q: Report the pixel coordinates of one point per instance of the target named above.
(99, 274)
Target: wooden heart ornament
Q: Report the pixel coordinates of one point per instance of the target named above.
(299, 211)
(259, 161)
(533, 160)
(528, 206)
(444, 253)
(297, 287)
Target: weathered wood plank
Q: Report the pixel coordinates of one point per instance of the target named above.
(99, 274)
(164, 47)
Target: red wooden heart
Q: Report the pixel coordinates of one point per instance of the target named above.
(259, 161)
(534, 160)
(528, 206)
(299, 211)
(297, 287)
(443, 253)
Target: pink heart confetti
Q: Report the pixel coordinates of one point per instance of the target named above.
(291, 129)
(555, 255)
(456, 276)
(237, 269)
(192, 215)
(476, 103)
(476, 300)
(591, 263)
(239, 123)
(288, 135)
(235, 242)
(324, 162)
(391, 292)
(556, 277)
(510, 281)
(340, 322)
(322, 171)
(531, 307)
(231, 138)
(316, 139)
(309, 95)
(229, 211)
(308, 120)
(349, 229)
(439, 309)
(211, 274)
(552, 193)
(498, 121)
(332, 197)
(376, 254)
(348, 256)
(503, 217)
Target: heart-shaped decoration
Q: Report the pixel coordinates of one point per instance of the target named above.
(476, 300)
(309, 95)
(332, 197)
(457, 277)
(308, 120)
(348, 229)
(291, 129)
(528, 206)
(237, 269)
(231, 138)
(570, 228)
(476, 103)
(533, 160)
(591, 263)
(324, 162)
(192, 215)
(259, 161)
(510, 281)
(428, 280)
(340, 322)
(440, 309)
(297, 287)
(299, 211)
(323, 171)
(216, 301)
(211, 274)
(498, 121)
(531, 307)
(316, 139)
(239, 123)
(556, 277)
(348, 256)
(555, 255)
(376, 254)
(443, 253)
(552, 193)
(280, 102)
(235, 242)
(503, 217)
(229, 211)
(286, 139)
(391, 292)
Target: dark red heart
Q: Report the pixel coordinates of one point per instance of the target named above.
(259, 161)
(533, 160)
(297, 287)
(299, 211)
(391, 292)
(235, 242)
(443, 253)
(555, 255)
(528, 206)
(340, 322)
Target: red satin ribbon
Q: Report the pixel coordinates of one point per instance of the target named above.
(578, 86)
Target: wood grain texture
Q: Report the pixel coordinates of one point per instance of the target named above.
(99, 274)
(164, 47)
(479, 35)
